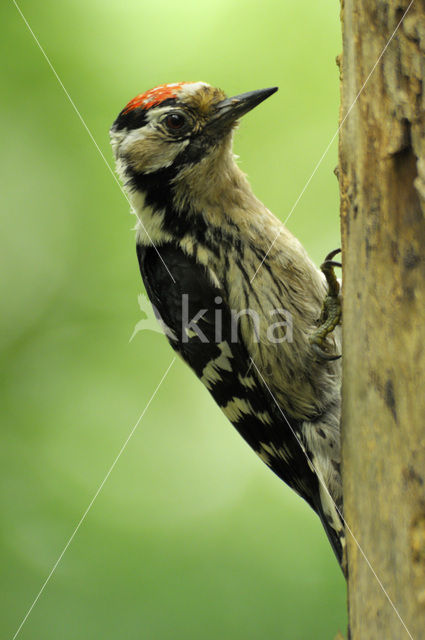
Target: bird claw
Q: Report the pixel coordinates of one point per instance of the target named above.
(331, 310)
(322, 354)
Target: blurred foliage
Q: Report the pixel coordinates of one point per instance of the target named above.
(192, 536)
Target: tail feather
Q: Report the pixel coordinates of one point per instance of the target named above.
(334, 526)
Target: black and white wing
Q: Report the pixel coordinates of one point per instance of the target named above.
(199, 326)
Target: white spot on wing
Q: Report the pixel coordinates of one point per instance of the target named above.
(211, 372)
(276, 452)
(264, 457)
(263, 416)
(236, 408)
(247, 381)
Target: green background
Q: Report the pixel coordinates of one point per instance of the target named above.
(191, 536)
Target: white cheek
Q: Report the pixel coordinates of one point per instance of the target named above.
(123, 140)
(166, 157)
(136, 135)
(117, 138)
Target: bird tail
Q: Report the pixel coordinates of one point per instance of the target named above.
(335, 530)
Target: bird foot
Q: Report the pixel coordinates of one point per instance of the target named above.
(331, 310)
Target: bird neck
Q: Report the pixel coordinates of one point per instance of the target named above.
(215, 182)
(192, 199)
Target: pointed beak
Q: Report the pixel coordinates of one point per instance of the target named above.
(231, 109)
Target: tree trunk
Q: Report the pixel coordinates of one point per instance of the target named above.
(382, 182)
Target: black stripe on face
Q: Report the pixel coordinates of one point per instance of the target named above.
(133, 119)
(158, 190)
(137, 117)
(155, 186)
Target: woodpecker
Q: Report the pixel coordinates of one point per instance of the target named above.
(237, 295)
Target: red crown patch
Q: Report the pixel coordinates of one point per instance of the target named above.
(154, 96)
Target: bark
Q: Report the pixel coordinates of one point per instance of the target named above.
(382, 183)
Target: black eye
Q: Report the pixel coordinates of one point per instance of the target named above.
(175, 121)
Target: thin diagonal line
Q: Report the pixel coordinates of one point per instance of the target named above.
(111, 468)
(320, 478)
(332, 139)
(89, 132)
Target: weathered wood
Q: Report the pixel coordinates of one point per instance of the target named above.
(382, 183)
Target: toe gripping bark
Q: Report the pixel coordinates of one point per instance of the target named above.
(331, 310)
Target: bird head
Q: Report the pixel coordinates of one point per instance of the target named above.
(174, 127)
